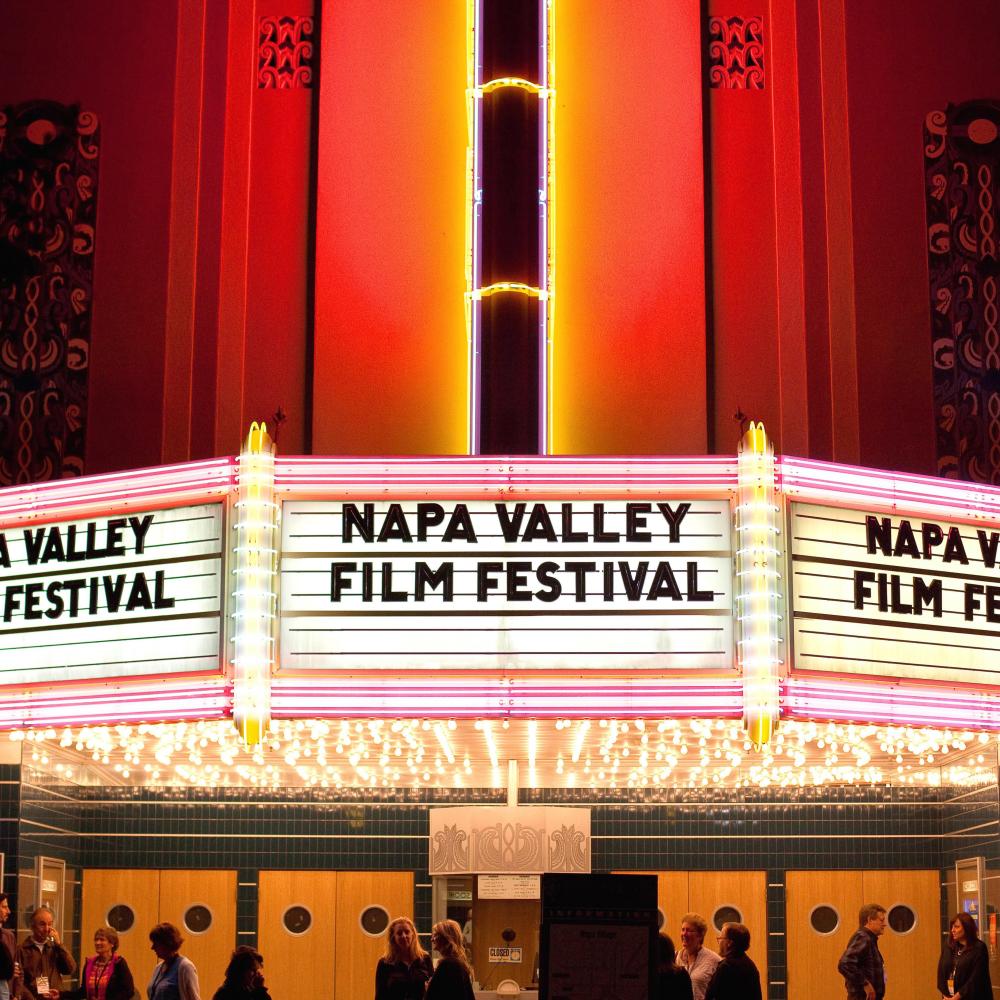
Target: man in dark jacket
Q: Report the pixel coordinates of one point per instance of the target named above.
(42, 956)
(735, 977)
(861, 964)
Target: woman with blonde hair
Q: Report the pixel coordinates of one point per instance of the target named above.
(402, 972)
(452, 979)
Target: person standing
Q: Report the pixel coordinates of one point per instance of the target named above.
(699, 961)
(861, 964)
(964, 969)
(403, 971)
(244, 977)
(43, 959)
(175, 977)
(736, 977)
(10, 971)
(451, 979)
(106, 976)
(672, 982)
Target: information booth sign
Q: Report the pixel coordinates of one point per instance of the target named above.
(598, 937)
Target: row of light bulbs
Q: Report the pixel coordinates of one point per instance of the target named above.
(604, 753)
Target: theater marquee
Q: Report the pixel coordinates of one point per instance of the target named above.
(894, 595)
(645, 585)
(530, 588)
(115, 596)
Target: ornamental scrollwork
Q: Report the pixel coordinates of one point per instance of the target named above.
(48, 214)
(508, 847)
(736, 53)
(961, 168)
(285, 53)
(450, 850)
(568, 850)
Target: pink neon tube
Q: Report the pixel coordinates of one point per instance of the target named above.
(888, 703)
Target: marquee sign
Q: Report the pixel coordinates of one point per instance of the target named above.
(114, 596)
(894, 596)
(501, 588)
(613, 584)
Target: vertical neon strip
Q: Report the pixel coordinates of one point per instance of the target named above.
(254, 596)
(758, 582)
(474, 208)
(548, 222)
(476, 87)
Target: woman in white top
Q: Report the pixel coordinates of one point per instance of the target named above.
(699, 961)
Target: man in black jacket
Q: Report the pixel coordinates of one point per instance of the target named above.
(42, 956)
(861, 964)
(736, 977)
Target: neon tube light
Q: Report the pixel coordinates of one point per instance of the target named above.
(547, 199)
(804, 479)
(474, 217)
(894, 703)
(476, 90)
(166, 485)
(513, 81)
(509, 286)
(255, 600)
(458, 697)
(125, 703)
(758, 584)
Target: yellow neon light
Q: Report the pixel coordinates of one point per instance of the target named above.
(508, 286)
(502, 82)
(255, 601)
(758, 584)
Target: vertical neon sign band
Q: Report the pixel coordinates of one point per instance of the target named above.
(547, 227)
(473, 199)
(254, 596)
(758, 583)
(510, 222)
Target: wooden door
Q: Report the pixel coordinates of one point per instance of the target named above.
(813, 953)
(490, 917)
(357, 951)
(671, 899)
(202, 904)
(715, 895)
(296, 920)
(911, 956)
(138, 890)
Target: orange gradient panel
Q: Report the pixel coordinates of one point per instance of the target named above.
(629, 350)
(390, 339)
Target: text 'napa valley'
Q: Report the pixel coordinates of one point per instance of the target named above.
(589, 549)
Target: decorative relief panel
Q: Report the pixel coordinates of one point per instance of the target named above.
(736, 53)
(961, 161)
(285, 56)
(509, 839)
(48, 210)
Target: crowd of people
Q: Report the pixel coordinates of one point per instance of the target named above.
(38, 967)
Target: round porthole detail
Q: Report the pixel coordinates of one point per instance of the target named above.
(121, 918)
(374, 920)
(296, 919)
(197, 918)
(901, 918)
(726, 914)
(824, 919)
